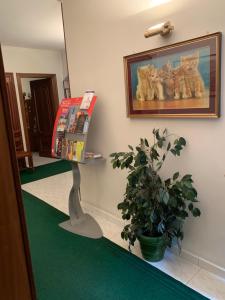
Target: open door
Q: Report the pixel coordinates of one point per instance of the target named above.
(16, 279)
(42, 95)
(11, 93)
(14, 113)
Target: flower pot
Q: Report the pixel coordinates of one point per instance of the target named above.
(152, 248)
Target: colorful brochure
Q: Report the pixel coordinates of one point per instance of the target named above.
(87, 98)
(71, 127)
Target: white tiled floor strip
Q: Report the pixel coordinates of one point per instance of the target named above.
(50, 190)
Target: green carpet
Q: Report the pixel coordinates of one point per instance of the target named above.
(44, 171)
(71, 267)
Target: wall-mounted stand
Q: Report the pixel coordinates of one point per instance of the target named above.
(80, 223)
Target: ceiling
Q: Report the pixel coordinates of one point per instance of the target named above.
(31, 23)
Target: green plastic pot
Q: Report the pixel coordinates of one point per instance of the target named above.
(152, 248)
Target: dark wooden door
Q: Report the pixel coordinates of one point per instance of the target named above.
(15, 266)
(14, 112)
(42, 94)
(31, 121)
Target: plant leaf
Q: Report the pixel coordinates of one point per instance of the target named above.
(168, 146)
(167, 181)
(160, 143)
(187, 177)
(138, 149)
(115, 164)
(182, 141)
(174, 152)
(146, 143)
(190, 206)
(113, 154)
(176, 175)
(196, 212)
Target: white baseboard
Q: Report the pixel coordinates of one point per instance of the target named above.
(102, 213)
(199, 261)
(195, 259)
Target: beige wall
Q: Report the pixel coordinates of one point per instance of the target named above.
(28, 60)
(98, 34)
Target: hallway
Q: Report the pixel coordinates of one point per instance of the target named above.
(54, 190)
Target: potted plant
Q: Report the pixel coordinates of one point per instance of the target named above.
(155, 208)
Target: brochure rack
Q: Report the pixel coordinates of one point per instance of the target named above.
(69, 142)
(80, 223)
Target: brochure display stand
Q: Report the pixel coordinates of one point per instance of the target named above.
(69, 142)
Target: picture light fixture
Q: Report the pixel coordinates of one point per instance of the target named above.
(162, 29)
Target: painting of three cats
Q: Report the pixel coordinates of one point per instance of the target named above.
(171, 83)
(177, 80)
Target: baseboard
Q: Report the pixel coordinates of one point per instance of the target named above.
(199, 261)
(195, 259)
(102, 213)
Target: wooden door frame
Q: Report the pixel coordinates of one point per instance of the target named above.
(16, 274)
(55, 103)
(22, 161)
(14, 91)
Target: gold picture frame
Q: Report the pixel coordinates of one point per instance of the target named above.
(181, 80)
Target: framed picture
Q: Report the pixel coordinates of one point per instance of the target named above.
(179, 80)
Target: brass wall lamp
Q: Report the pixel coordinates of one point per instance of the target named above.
(163, 29)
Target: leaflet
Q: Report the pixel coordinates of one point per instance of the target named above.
(71, 127)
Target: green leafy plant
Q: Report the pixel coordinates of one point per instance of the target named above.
(151, 205)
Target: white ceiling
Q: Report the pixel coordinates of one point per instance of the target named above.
(31, 23)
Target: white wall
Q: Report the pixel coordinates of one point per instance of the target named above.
(98, 34)
(28, 60)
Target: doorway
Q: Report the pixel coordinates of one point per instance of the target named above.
(38, 95)
(14, 112)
